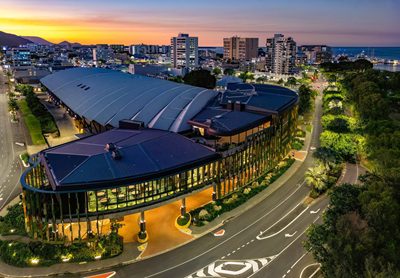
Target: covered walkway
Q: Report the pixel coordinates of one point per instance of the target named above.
(160, 224)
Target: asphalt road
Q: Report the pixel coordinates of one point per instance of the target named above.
(265, 241)
(10, 165)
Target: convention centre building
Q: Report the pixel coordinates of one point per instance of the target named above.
(153, 142)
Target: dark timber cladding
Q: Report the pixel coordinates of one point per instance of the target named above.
(242, 134)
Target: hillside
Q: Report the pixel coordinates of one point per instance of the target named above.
(12, 40)
(37, 40)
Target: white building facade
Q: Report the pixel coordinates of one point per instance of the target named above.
(184, 51)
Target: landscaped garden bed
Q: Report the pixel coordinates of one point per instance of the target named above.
(37, 253)
(183, 221)
(32, 123)
(208, 212)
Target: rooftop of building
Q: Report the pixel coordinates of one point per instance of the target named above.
(132, 155)
(108, 96)
(261, 97)
(225, 122)
(242, 107)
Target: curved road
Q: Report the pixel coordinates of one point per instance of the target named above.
(10, 165)
(265, 241)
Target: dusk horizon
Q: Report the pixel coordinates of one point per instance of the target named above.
(348, 24)
(190, 139)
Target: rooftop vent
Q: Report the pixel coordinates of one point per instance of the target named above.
(113, 150)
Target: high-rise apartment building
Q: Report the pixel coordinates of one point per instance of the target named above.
(281, 55)
(103, 53)
(184, 51)
(236, 48)
(148, 49)
(317, 54)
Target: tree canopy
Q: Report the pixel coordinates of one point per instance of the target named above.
(200, 78)
(358, 65)
(305, 99)
(360, 234)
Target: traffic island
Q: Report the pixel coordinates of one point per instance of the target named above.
(142, 237)
(183, 221)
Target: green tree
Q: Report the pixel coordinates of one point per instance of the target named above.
(291, 82)
(246, 76)
(177, 79)
(305, 97)
(261, 79)
(229, 71)
(200, 78)
(217, 71)
(316, 178)
(331, 78)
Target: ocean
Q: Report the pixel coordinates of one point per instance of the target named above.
(381, 53)
(387, 53)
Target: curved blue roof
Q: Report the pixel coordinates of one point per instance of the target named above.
(108, 96)
(145, 154)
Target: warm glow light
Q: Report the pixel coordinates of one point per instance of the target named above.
(34, 261)
(131, 22)
(66, 258)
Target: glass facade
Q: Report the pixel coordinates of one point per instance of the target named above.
(62, 215)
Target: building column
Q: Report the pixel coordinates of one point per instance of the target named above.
(214, 194)
(183, 207)
(142, 223)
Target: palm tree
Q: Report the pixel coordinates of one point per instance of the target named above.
(316, 178)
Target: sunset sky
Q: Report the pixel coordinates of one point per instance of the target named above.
(333, 22)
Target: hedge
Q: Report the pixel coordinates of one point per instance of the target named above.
(214, 209)
(32, 123)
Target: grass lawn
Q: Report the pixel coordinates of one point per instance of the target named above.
(32, 123)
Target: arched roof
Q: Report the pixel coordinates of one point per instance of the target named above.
(108, 96)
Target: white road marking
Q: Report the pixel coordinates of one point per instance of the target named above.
(287, 246)
(229, 238)
(315, 211)
(260, 237)
(302, 271)
(296, 262)
(290, 235)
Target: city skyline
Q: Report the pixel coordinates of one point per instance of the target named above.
(336, 23)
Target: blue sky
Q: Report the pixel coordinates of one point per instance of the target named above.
(333, 22)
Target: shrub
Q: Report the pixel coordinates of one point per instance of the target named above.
(14, 221)
(297, 144)
(300, 133)
(217, 208)
(246, 191)
(338, 123)
(19, 254)
(203, 214)
(344, 145)
(208, 213)
(255, 184)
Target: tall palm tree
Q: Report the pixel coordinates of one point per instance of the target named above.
(316, 178)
